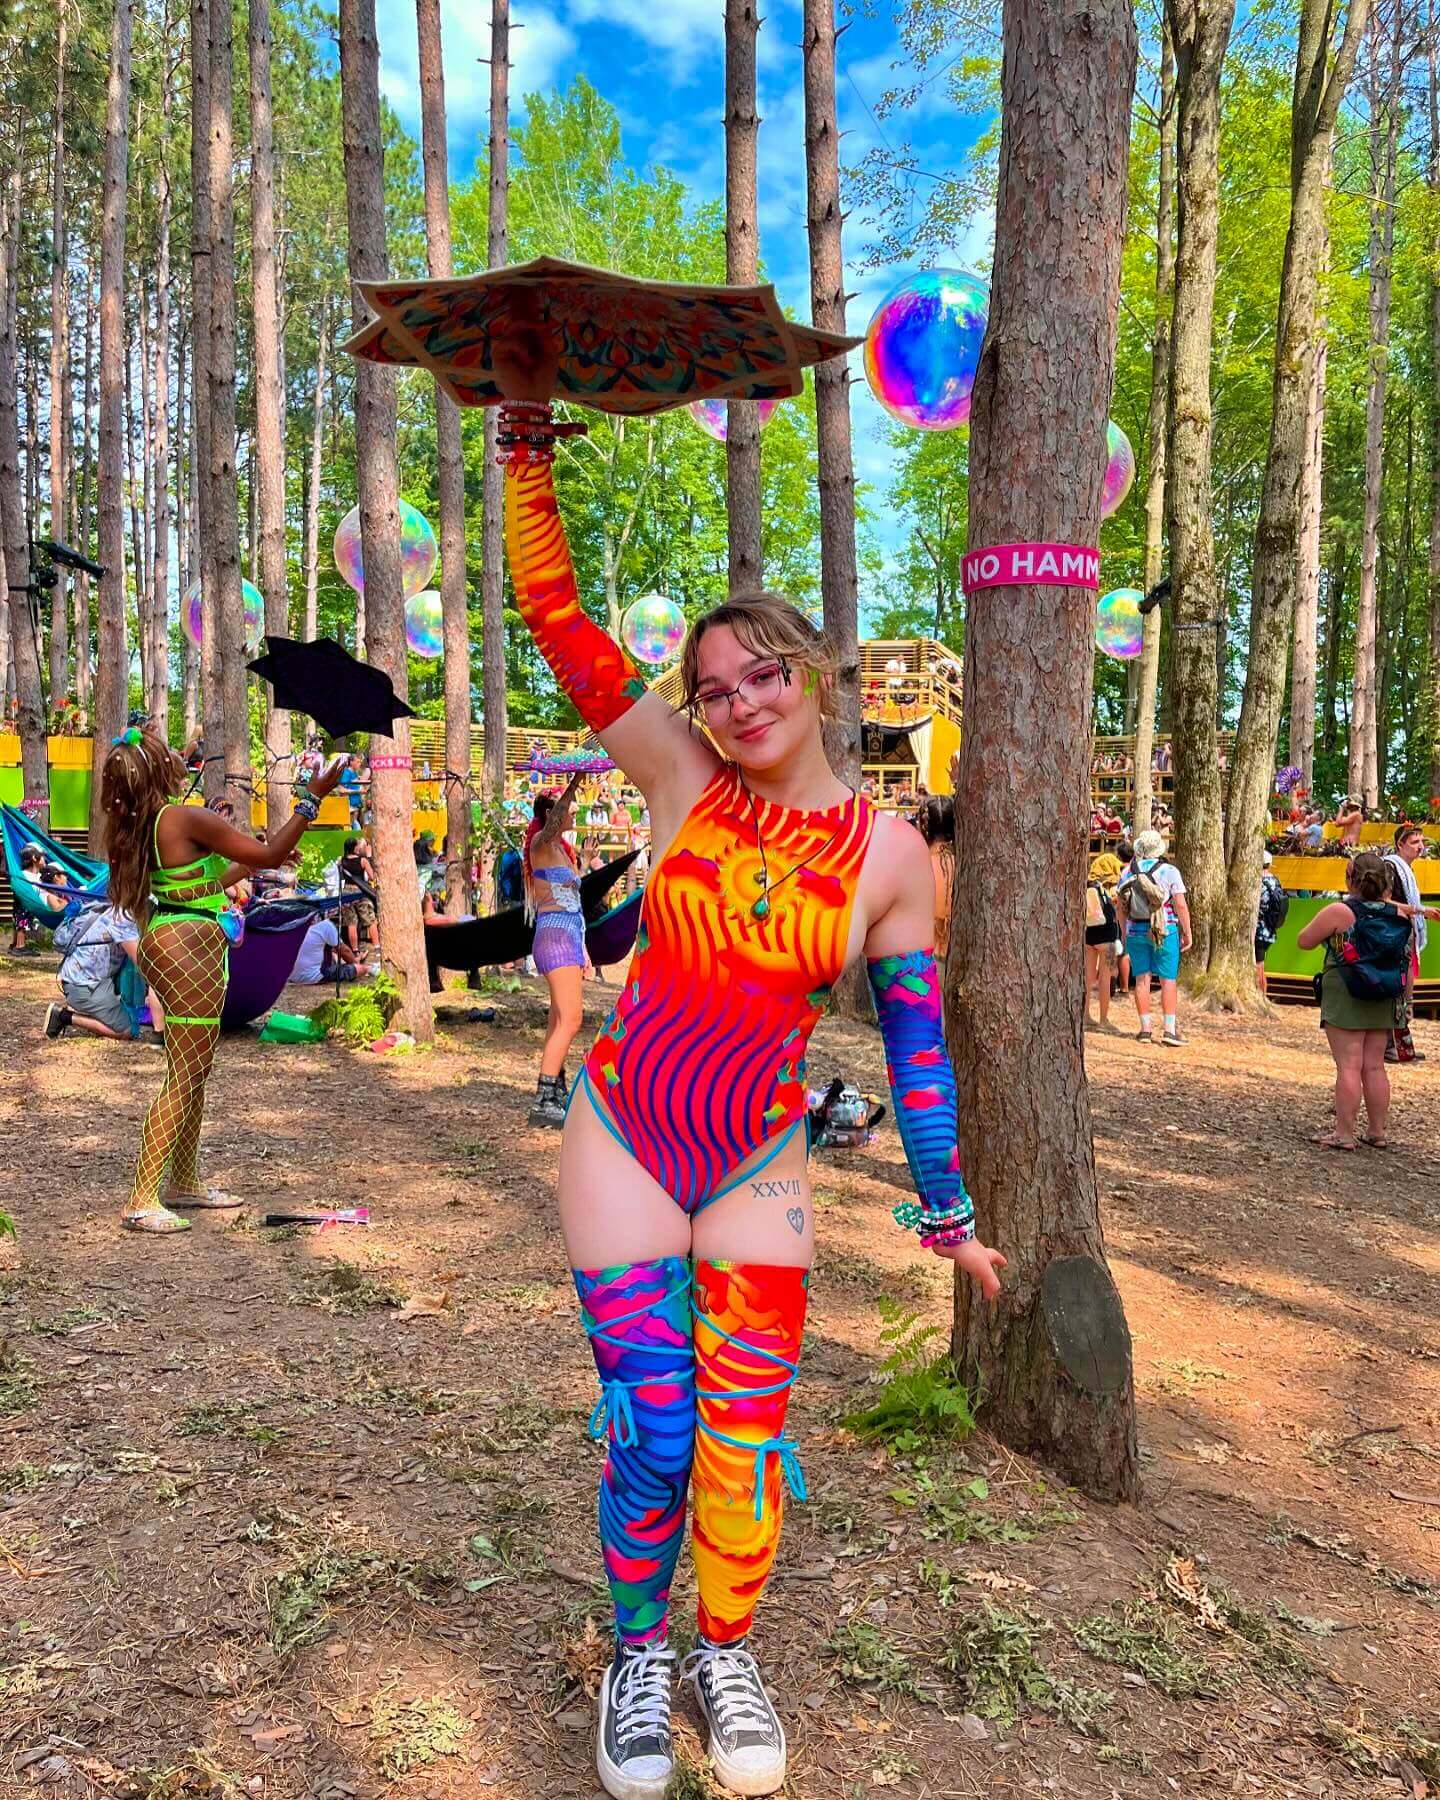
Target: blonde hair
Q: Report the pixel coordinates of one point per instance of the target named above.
(136, 782)
(767, 625)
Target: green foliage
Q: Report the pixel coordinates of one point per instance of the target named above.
(363, 1012)
(922, 1400)
(1147, 1638)
(994, 1658)
(17, 1386)
(865, 1655)
(413, 1731)
(302, 1599)
(7, 1225)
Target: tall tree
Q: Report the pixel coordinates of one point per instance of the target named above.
(1227, 974)
(224, 479)
(1305, 648)
(107, 718)
(1148, 673)
(269, 404)
(1199, 35)
(1054, 1361)
(59, 366)
(403, 934)
(317, 464)
(212, 693)
(742, 268)
(81, 633)
(159, 701)
(1383, 100)
(24, 609)
(1433, 690)
(493, 694)
(450, 475)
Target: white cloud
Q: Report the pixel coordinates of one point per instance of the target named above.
(536, 53)
(687, 36)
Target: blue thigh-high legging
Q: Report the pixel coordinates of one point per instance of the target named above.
(638, 1319)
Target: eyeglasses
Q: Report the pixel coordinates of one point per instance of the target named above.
(759, 688)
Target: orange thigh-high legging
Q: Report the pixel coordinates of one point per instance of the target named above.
(186, 962)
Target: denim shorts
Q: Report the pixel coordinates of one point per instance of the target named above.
(1149, 958)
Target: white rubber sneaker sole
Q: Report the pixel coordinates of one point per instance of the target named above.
(644, 1778)
(746, 1777)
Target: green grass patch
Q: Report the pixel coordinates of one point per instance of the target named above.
(956, 1513)
(863, 1654)
(1147, 1638)
(226, 1418)
(922, 1399)
(994, 1659)
(17, 1385)
(69, 1320)
(413, 1732)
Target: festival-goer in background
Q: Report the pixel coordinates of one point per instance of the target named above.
(1274, 904)
(1151, 898)
(1101, 922)
(1409, 847)
(169, 868)
(936, 819)
(692, 1273)
(94, 947)
(322, 956)
(552, 900)
(1349, 816)
(510, 878)
(43, 874)
(356, 871)
(354, 779)
(1368, 934)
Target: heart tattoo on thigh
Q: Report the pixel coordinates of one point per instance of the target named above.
(796, 1216)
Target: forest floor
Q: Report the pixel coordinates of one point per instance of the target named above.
(286, 1512)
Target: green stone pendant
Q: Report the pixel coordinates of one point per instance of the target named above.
(761, 908)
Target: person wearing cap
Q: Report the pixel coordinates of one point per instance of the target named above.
(1271, 916)
(1152, 903)
(1100, 931)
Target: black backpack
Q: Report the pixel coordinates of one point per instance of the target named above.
(1274, 906)
(1376, 954)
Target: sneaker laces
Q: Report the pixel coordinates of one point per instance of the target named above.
(642, 1691)
(732, 1678)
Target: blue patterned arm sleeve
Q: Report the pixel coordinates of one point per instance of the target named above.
(922, 1086)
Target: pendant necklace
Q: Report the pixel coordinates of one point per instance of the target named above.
(760, 909)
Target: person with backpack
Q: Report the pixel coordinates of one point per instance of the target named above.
(1409, 847)
(1274, 908)
(1367, 952)
(1100, 928)
(1152, 902)
(95, 945)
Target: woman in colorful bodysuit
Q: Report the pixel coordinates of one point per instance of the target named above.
(552, 900)
(169, 868)
(684, 1197)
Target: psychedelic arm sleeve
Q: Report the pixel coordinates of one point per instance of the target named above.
(922, 1086)
(594, 671)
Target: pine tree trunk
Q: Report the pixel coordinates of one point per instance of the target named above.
(1053, 1358)
(1334, 640)
(312, 497)
(402, 935)
(493, 694)
(1433, 688)
(1199, 34)
(224, 484)
(1303, 655)
(160, 441)
(111, 662)
(269, 406)
(81, 632)
(450, 463)
(212, 693)
(185, 503)
(59, 361)
(1148, 663)
(135, 483)
(742, 268)
(1384, 111)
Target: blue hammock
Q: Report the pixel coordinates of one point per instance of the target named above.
(88, 879)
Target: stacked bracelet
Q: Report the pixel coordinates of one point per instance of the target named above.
(939, 1224)
(307, 807)
(527, 429)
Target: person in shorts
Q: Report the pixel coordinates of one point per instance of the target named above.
(1153, 885)
(1268, 919)
(357, 870)
(96, 947)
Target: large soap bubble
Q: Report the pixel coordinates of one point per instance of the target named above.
(190, 614)
(652, 629)
(923, 346)
(1119, 469)
(1119, 625)
(425, 624)
(713, 416)
(418, 550)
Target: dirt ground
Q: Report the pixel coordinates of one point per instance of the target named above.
(265, 1529)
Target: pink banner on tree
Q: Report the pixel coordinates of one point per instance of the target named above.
(389, 762)
(1040, 565)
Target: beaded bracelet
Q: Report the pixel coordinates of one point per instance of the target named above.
(527, 429)
(307, 808)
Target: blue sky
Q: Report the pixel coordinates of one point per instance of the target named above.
(661, 64)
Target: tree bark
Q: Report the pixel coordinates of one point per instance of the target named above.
(493, 694)
(1226, 972)
(1303, 655)
(450, 470)
(1199, 34)
(742, 268)
(23, 610)
(212, 693)
(1053, 1361)
(312, 500)
(269, 406)
(224, 482)
(111, 662)
(1384, 113)
(402, 933)
(160, 441)
(186, 501)
(1148, 671)
(59, 365)
(1433, 686)
(81, 633)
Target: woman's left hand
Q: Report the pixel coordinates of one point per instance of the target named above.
(979, 1263)
(325, 782)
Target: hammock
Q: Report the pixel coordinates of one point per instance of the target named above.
(506, 937)
(87, 876)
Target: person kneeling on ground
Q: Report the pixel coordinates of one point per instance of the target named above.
(95, 947)
(323, 957)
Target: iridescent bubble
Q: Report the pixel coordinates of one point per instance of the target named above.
(424, 624)
(190, 614)
(923, 346)
(713, 416)
(652, 629)
(418, 550)
(1119, 469)
(1119, 626)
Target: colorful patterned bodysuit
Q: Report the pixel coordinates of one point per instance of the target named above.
(703, 1059)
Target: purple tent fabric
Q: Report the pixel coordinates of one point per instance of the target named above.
(262, 964)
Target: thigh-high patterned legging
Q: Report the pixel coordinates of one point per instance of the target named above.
(726, 1365)
(186, 961)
